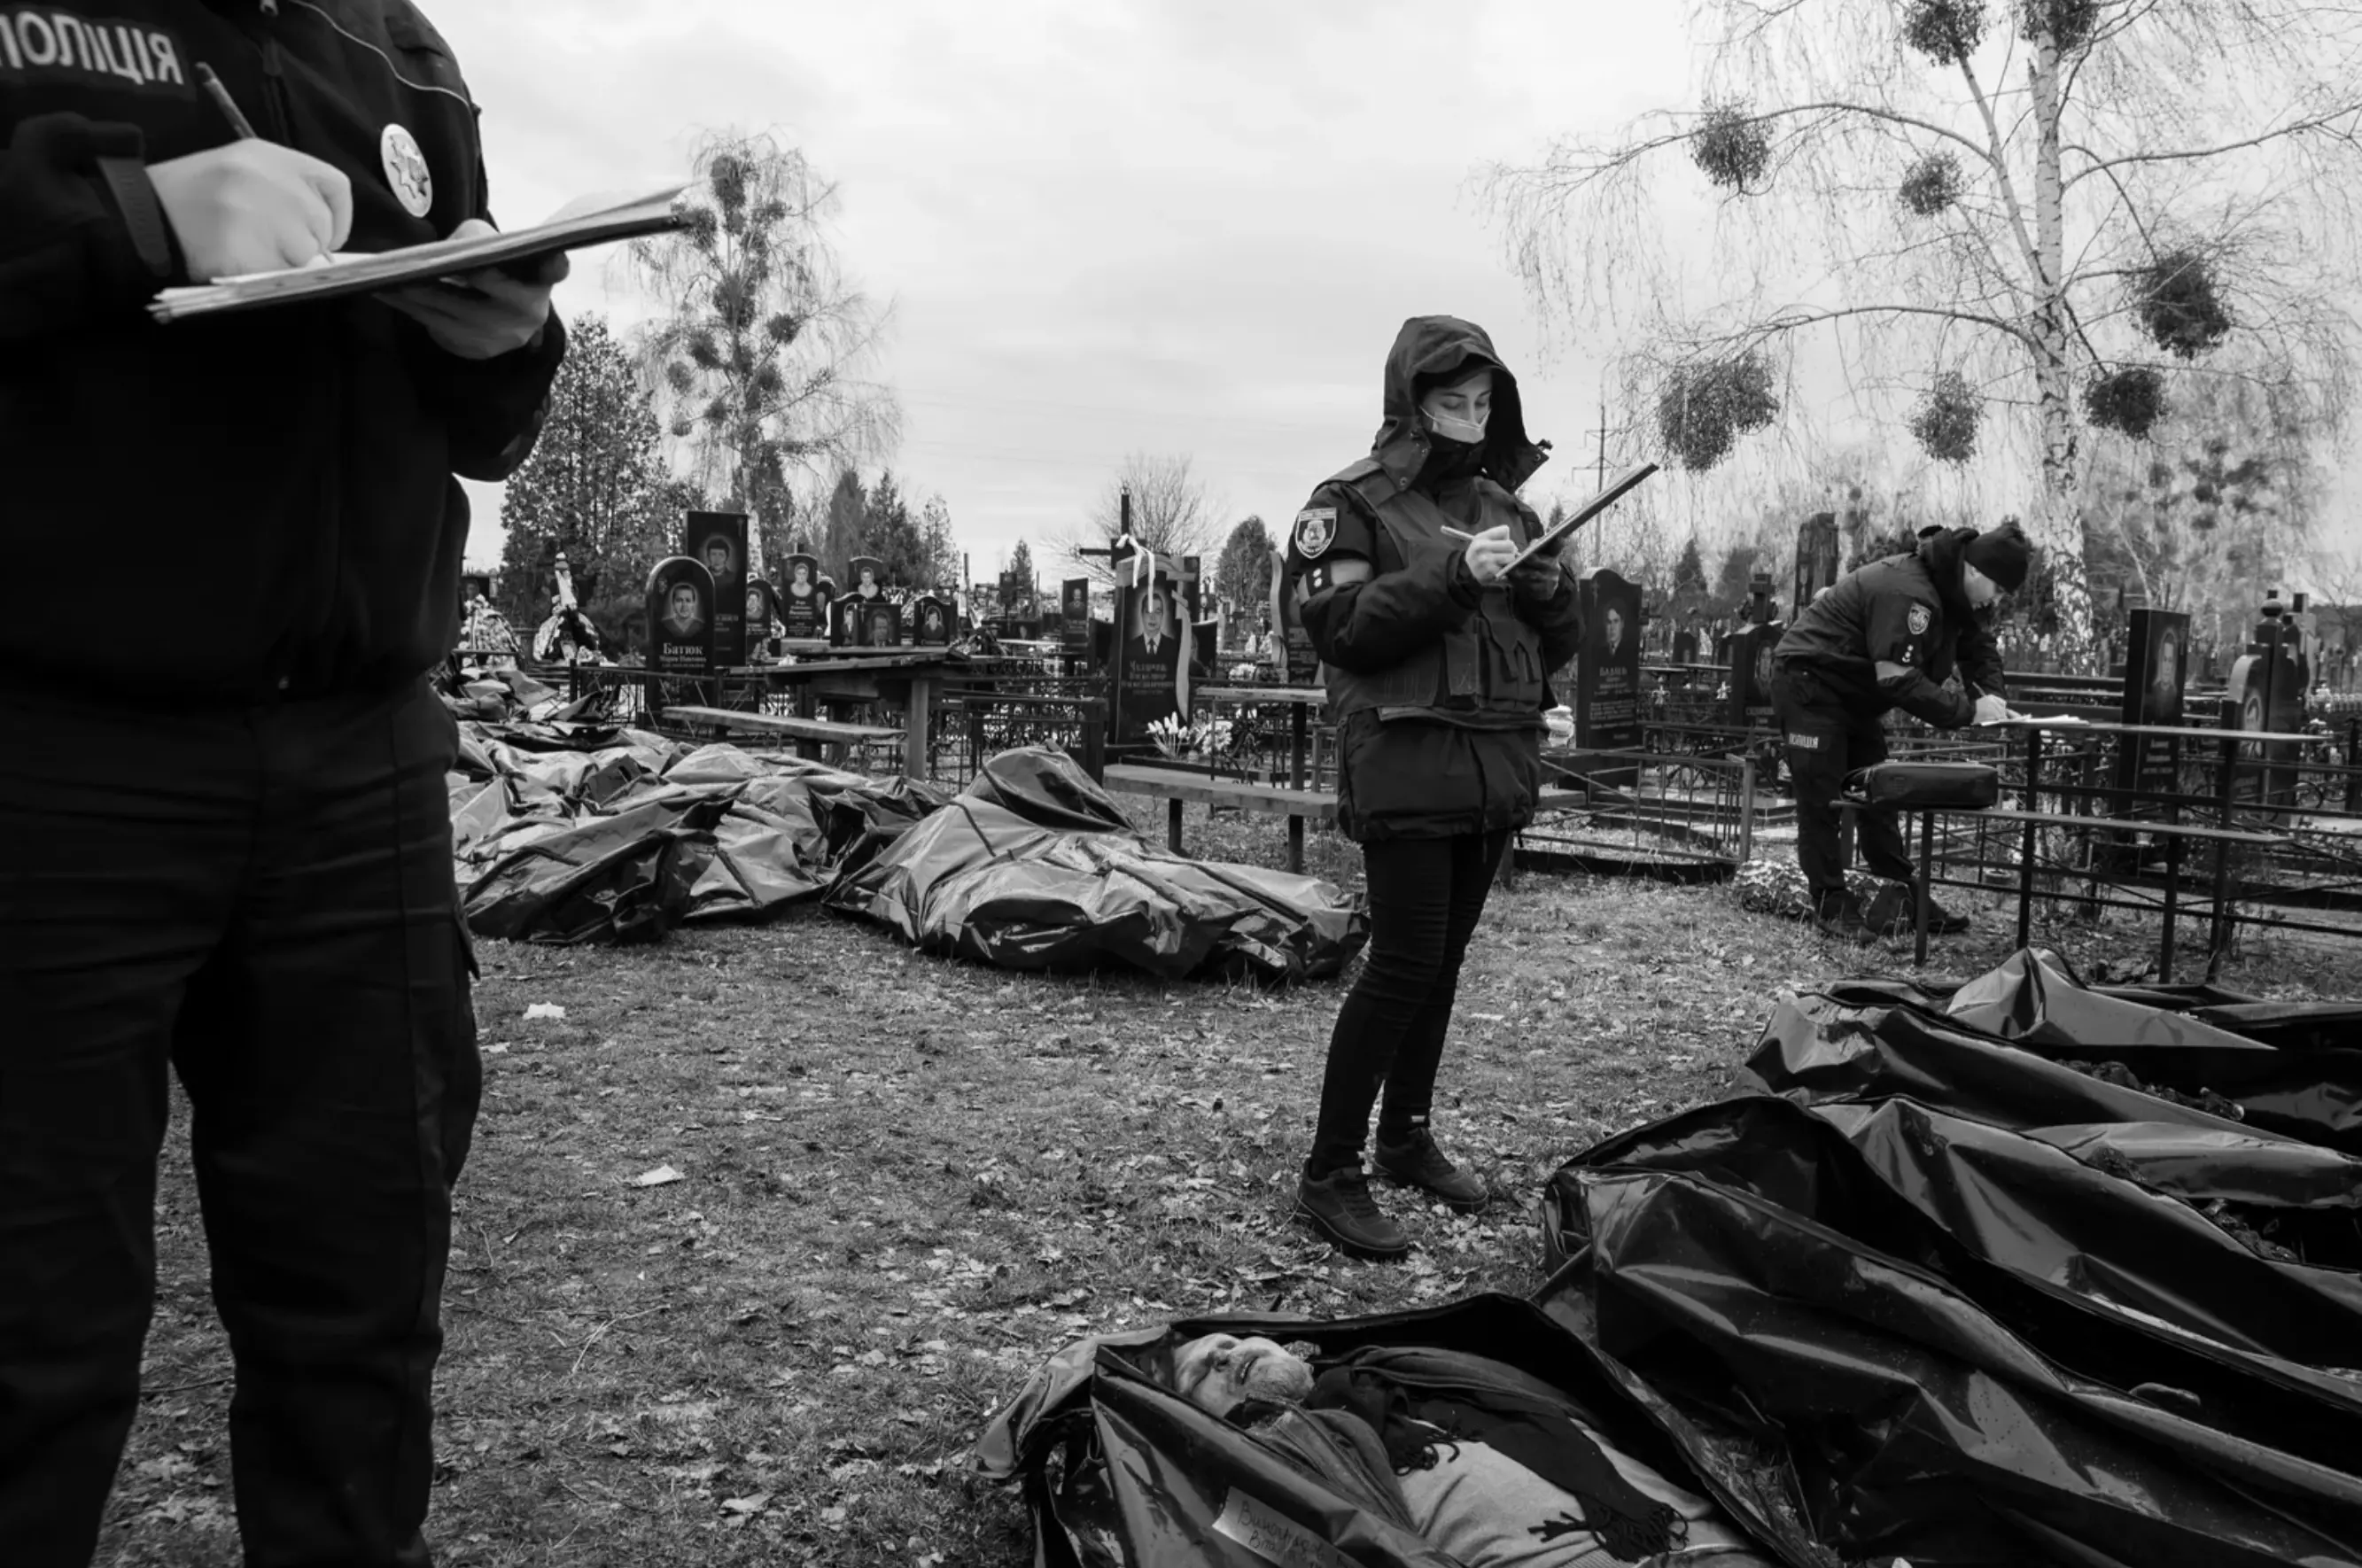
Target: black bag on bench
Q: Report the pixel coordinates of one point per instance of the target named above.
(1905, 784)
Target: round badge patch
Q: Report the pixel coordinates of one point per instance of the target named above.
(1919, 620)
(405, 171)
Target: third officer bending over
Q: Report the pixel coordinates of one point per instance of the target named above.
(1885, 637)
(1438, 656)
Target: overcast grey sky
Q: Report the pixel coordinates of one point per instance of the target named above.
(1185, 227)
(1172, 226)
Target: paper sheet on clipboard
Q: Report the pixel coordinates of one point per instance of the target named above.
(587, 221)
(1617, 487)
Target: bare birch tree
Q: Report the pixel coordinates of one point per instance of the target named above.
(2039, 210)
(1172, 513)
(761, 359)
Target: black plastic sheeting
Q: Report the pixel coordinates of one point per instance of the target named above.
(1120, 1471)
(1037, 867)
(1987, 1307)
(569, 834)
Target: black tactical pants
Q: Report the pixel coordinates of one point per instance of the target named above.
(1827, 741)
(261, 898)
(1425, 895)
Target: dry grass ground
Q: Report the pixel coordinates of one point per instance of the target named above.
(905, 1179)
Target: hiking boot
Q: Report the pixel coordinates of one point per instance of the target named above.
(1842, 920)
(1340, 1207)
(1417, 1162)
(1891, 914)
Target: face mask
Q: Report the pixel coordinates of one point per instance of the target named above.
(1451, 428)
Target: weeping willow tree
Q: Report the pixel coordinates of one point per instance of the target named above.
(763, 354)
(2010, 221)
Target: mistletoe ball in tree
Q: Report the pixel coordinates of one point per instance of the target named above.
(1932, 184)
(2131, 400)
(1730, 147)
(2178, 304)
(1946, 31)
(1945, 420)
(1706, 408)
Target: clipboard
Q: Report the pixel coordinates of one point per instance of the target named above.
(592, 220)
(1623, 484)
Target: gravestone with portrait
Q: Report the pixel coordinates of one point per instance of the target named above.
(718, 540)
(931, 620)
(1817, 556)
(1148, 678)
(1075, 621)
(802, 602)
(2155, 666)
(680, 617)
(854, 613)
(762, 614)
(1749, 677)
(1299, 664)
(1607, 673)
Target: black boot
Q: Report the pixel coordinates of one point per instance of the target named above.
(1841, 919)
(1340, 1207)
(1415, 1161)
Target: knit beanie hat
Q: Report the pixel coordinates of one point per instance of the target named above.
(2002, 553)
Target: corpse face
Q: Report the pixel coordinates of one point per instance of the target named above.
(1216, 1371)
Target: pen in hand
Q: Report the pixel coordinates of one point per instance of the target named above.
(239, 122)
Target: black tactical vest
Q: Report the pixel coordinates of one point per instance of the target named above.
(1485, 674)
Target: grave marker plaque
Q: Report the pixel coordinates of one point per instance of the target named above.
(1607, 672)
(933, 619)
(2155, 665)
(717, 540)
(680, 617)
(803, 603)
(761, 613)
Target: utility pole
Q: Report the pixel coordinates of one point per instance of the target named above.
(1599, 478)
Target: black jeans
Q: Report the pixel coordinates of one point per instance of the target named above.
(259, 897)
(1827, 741)
(1425, 895)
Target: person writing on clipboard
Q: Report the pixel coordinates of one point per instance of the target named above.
(1436, 657)
(224, 844)
(1886, 635)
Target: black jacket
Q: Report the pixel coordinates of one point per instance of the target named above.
(1887, 635)
(286, 475)
(1413, 778)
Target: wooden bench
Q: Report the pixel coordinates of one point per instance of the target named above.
(807, 733)
(2175, 836)
(1299, 806)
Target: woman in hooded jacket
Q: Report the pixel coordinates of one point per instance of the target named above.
(1436, 656)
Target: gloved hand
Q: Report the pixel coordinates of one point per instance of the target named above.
(1991, 709)
(1540, 576)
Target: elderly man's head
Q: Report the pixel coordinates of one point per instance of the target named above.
(1219, 1372)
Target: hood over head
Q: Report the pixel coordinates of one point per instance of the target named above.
(1941, 551)
(1433, 347)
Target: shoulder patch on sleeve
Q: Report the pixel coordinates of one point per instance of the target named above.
(1316, 528)
(1919, 620)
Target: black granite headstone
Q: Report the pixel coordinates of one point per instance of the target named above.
(2155, 664)
(680, 617)
(1075, 620)
(1817, 556)
(761, 614)
(1750, 673)
(854, 611)
(718, 541)
(932, 620)
(1607, 671)
(803, 603)
(1685, 647)
(1146, 645)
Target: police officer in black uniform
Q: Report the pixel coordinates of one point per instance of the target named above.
(1436, 658)
(224, 842)
(1886, 635)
